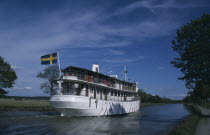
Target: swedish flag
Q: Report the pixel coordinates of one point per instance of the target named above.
(49, 59)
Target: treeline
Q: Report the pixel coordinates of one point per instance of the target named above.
(198, 96)
(148, 98)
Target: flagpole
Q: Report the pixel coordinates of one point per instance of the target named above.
(59, 66)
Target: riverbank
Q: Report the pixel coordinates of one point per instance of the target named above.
(186, 127)
(204, 122)
(197, 123)
(24, 105)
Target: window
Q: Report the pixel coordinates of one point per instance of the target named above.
(96, 69)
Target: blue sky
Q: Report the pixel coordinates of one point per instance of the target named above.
(111, 33)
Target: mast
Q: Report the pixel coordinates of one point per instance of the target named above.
(125, 73)
(59, 66)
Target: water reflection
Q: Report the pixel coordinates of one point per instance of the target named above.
(149, 120)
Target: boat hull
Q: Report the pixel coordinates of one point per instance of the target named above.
(71, 105)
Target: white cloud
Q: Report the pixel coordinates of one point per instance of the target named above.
(16, 67)
(28, 88)
(22, 88)
(123, 60)
(117, 52)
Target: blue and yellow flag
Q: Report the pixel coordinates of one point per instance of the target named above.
(49, 59)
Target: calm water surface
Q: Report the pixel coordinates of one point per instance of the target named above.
(150, 120)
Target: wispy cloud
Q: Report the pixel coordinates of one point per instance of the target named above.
(16, 68)
(117, 52)
(145, 89)
(154, 4)
(123, 60)
(160, 89)
(23, 88)
(61, 29)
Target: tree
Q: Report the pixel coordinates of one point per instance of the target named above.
(7, 76)
(3, 92)
(192, 44)
(148, 98)
(50, 74)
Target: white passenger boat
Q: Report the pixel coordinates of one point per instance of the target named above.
(82, 92)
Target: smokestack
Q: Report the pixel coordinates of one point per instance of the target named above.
(95, 68)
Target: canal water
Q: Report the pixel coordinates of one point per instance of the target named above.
(150, 120)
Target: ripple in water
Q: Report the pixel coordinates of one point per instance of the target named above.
(150, 120)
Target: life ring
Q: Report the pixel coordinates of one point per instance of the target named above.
(88, 78)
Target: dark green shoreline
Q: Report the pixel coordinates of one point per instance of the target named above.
(190, 124)
(187, 126)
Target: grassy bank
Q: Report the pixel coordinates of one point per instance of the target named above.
(23, 105)
(189, 125)
(207, 105)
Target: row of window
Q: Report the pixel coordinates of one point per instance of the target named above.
(110, 83)
(70, 89)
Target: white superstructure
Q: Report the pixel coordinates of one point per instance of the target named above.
(89, 93)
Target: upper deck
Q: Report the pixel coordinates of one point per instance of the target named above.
(98, 78)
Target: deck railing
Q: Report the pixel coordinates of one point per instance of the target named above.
(101, 81)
